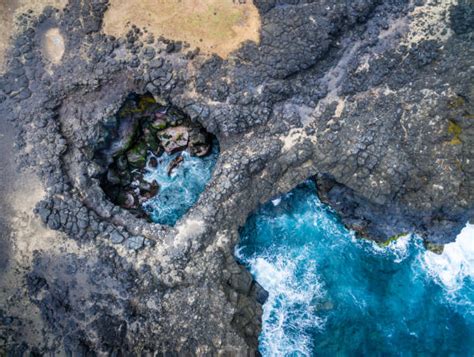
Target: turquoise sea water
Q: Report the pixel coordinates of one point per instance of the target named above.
(332, 294)
(179, 191)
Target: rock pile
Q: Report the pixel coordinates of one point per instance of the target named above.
(136, 137)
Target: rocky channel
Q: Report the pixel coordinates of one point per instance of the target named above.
(373, 99)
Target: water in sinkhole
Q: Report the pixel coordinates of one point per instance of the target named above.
(333, 294)
(180, 190)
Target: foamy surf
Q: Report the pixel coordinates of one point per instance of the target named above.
(455, 264)
(290, 311)
(332, 294)
(399, 248)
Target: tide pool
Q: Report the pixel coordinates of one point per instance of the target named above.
(179, 191)
(332, 294)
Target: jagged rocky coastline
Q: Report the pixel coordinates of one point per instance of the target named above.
(374, 99)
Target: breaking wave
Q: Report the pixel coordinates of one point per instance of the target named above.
(330, 293)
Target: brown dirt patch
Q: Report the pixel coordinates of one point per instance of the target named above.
(215, 26)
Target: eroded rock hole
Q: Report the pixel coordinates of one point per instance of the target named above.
(157, 160)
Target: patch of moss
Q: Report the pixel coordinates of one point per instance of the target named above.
(433, 247)
(455, 102)
(145, 102)
(455, 130)
(136, 156)
(391, 239)
(132, 107)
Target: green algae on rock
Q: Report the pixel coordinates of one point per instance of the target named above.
(455, 130)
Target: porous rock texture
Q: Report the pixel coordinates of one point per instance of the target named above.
(372, 98)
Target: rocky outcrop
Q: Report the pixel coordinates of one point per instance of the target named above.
(372, 98)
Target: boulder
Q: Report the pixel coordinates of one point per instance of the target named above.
(136, 156)
(151, 141)
(174, 139)
(125, 178)
(116, 237)
(135, 242)
(199, 143)
(159, 123)
(148, 190)
(126, 133)
(433, 247)
(174, 117)
(127, 200)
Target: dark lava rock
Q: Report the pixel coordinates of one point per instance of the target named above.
(136, 156)
(174, 164)
(153, 162)
(374, 99)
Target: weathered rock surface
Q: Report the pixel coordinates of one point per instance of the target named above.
(372, 98)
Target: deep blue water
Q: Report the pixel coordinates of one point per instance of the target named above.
(179, 191)
(333, 294)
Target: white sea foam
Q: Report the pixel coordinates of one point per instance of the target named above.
(399, 248)
(455, 264)
(276, 201)
(290, 311)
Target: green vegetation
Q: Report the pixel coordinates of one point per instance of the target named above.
(391, 239)
(144, 103)
(433, 247)
(455, 130)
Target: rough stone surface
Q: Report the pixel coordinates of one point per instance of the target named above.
(372, 98)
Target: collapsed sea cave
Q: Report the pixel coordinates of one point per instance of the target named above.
(142, 206)
(156, 161)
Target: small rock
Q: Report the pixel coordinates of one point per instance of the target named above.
(116, 237)
(135, 242)
(153, 162)
(174, 163)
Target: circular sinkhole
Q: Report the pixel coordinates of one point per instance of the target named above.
(156, 160)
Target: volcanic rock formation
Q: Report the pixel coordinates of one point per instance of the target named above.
(374, 99)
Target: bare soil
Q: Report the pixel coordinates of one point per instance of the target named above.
(215, 26)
